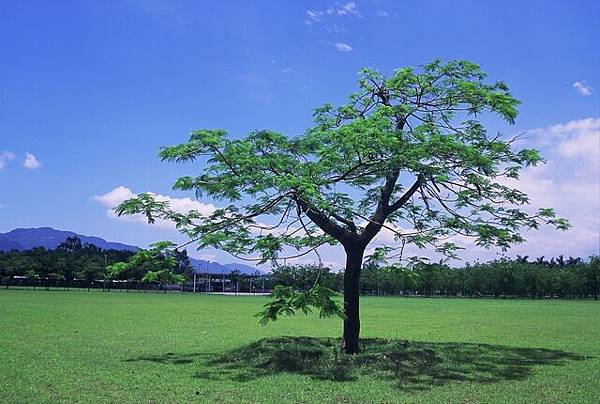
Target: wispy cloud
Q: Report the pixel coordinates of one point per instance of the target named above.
(317, 16)
(31, 162)
(114, 198)
(582, 88)
(5, 157)
(331, 21)
(382, 13)
(342, 47)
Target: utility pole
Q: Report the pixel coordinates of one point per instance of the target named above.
(194, 281)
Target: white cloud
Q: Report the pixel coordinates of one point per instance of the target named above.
(569, 183)
(313, 16)
(331, 22)
(342, 47)
(382, 13)
(579, 138)
(31, 162)
(5, 157)
(582, 88)
(329, 19)
(585, 144)
(113, 198)
(348, 9)
(563, 129)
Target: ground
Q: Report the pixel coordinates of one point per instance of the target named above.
(80, 346)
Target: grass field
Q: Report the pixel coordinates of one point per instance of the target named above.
(115, 347)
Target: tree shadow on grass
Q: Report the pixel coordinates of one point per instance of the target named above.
(410, 365)
(169, 358)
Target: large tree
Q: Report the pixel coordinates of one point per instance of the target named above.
(407, 153)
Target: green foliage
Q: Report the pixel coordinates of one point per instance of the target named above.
(303, 277)
(406, 151)
(287, 301)
(70, 261)
(159, 262)
(163, 277)
(557, 277)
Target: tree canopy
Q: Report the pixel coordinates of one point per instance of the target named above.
(407, 152)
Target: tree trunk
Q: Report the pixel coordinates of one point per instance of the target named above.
(354, 257)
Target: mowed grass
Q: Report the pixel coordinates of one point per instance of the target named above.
(115, 347)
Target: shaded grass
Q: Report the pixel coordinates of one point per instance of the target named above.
(410, 365)
(115, 347)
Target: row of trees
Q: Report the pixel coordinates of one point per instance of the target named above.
(520, 277)
(71, 260)
(74, 261)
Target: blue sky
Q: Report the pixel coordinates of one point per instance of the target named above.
(90, 90)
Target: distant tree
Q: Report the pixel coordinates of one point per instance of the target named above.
(592, 276)
(184, 265)
(302, 277)
(235, 277)
(408, 151)
(159, 264)
(71, 244)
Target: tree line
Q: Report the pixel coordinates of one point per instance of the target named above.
(520, 277)
(71, 260)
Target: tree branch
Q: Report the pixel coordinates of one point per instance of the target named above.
(322, 221)
(384, 209)
(407, 195)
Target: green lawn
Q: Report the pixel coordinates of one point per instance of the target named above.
(113, 347)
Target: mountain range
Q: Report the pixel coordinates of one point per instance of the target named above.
(50, 238)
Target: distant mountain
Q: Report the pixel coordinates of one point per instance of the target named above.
(7, 244)
(200, 266)
(49, 238)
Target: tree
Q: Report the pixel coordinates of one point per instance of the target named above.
(184, 265)
(407, 153)
(302, 277)
(71, 244)
(235, 277)
(159, 262)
